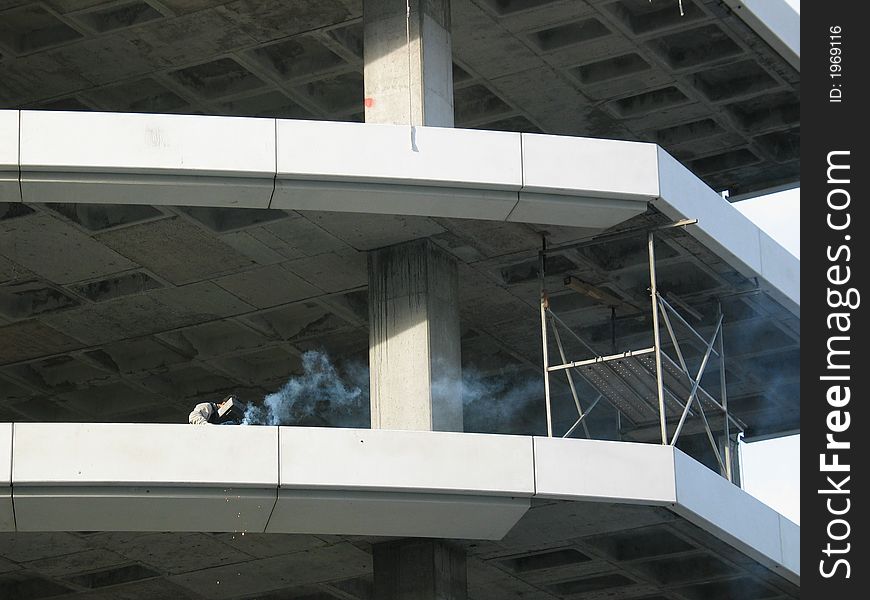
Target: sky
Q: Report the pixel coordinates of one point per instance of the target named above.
(771, 469)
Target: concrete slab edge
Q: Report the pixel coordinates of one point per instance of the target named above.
(728, 233)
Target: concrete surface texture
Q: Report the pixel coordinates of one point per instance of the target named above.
(414, 332)
(408, 69)
(704, 85)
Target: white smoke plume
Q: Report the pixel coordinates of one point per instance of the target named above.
(322, 395)
(509, 401)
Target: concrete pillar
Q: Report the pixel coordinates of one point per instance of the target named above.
(414, 345)
(419, 569)
(408, 83)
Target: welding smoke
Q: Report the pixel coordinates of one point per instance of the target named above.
(507, 401)
(321, 395)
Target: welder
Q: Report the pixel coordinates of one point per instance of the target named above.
(229, 411)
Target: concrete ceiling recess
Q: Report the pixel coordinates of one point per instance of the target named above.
(703, 84)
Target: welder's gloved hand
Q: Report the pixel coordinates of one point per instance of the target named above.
(201, 413)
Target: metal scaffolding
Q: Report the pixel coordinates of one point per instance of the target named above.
(646, 386)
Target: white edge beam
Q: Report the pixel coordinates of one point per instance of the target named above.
(122, 476)
(597, 470)
(728, 233)
(380, 482)
(130, 158)
(715, 505)
(776, 22)
(652, 474)
(7, 515)
(391, 169)
(9, 159)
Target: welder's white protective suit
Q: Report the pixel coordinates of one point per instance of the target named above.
(201, 413)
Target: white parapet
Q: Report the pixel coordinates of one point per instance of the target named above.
(143, 477)
(709, 501)
(622, 472)
(9, 190)
(7, 516)
(585, 182)
(392, 169)
(422, 484)
(147, 159)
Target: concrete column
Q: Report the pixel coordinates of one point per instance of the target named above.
(419, 569)
(414, 345)
(408, 83)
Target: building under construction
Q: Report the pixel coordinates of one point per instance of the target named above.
(469, 264)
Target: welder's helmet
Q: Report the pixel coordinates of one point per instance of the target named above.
(231, 410)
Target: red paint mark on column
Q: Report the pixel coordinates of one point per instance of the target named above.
(369, 102)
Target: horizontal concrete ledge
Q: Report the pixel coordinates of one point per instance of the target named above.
(125, 454)
(9, 157)
(152, 190)
(396, 514)
(146, 477)
(624, 472)
(406, 461)
(318, 165)
(142, 508)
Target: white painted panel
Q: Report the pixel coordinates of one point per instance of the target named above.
(577, 211)
(147, 143)
(8, 140)
(716, 505)
(394, 199)
(366, 459)
(109, 188)
(379, 513)
(604, 471)
(393, 153)
(125, 453)
(70, 508)
(5, 454)
(782, 270)
(589, 167)
(790, 536)
(7, 517)
(9, 191)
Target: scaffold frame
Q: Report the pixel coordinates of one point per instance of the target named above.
(644, 385)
